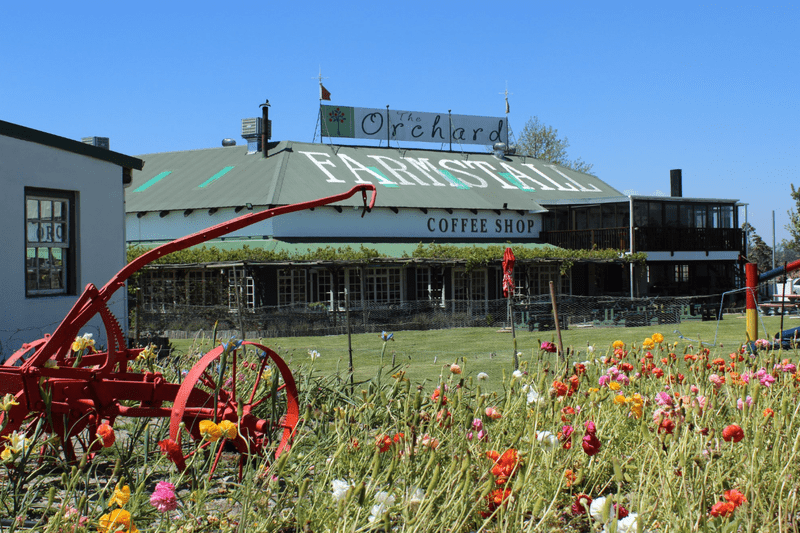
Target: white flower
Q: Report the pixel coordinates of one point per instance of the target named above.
(340, 488)
(627, 524)
(313, 354)
(548, 440)
(415, 498)
(385, 500)
(596, 508)
(590, 349)
(533, 396)
(517, 374)
(483, 376)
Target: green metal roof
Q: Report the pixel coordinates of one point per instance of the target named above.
(296, 172)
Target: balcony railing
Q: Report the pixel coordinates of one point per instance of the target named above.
(650, 239)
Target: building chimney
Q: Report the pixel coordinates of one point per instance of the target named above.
(100, 142)
(676, 183)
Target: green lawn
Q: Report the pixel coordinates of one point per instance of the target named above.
(423, 355)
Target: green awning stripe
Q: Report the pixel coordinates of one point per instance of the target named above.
(215, 177)
(379, 173)
(515, 181)
(458, 183)
(152, 181)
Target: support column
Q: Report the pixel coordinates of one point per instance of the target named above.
(751, 306)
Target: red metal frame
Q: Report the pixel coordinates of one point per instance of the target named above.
(85, 392)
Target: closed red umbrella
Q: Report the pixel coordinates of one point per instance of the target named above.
(508, 272)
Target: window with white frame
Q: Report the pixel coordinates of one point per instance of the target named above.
(428, 285)
(239, 281)
(291, 286)
(383, 285)
(49, 242)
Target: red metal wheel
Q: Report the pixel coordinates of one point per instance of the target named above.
(235, 388)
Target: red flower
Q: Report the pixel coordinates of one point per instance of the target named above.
(591, 444)
(581, 504)
(398, 437)
(560, 388)
(172, 449)
(106, 433)
(657, 372)
(496, 498)
(435, 396)
(722, 509)
(732, 433)
(666, 426)
(383, 442)
(574, 381)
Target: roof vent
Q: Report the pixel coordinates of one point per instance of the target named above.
(228, 142)
(251, 131)
(100, 142)
(499, 150)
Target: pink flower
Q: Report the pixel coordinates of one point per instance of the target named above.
(477, 423)
(716, 380)
(604, 380)
(663, 398)
(740, 403)
(163, 498)
(695, 389)
(591, 429)
(767, 380)
(549, 347)
(493, 413)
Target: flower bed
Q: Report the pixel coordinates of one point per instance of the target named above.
(646, 436)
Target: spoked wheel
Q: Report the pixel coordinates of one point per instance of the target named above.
(241, 386)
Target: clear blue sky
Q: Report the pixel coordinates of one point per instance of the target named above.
(638, 89)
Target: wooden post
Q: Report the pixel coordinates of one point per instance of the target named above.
(555, 316)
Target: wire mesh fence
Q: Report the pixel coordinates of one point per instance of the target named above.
(531, 313)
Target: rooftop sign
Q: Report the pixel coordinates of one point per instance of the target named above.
(385, 124)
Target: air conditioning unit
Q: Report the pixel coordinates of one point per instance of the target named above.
(100, 142)
(251, 127)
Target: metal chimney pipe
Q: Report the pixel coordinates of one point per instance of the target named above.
(264, 127)
(676, 183)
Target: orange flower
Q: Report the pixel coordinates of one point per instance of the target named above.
(106, 434)
(735, 497)
(504, 465)
(768, 413)
(570, 477)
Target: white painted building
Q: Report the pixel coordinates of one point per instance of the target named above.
(64, 227)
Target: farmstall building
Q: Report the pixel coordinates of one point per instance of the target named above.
(430, 203)
(63, 229)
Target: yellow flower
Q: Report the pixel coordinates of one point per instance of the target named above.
(648, 344)
(8, 402)
(209, 430)
(18, 442)
(267, 374)
(6, 455)
(636, 399)
(148, 353)
(594, 389)
(636, 409)
(113, 521)
(121, 496)
(613, 386)
(620, 399)
(228, 429)
(658, 338)
(618, 345)
(81, 343)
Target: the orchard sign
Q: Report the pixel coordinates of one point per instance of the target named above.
(387, 124)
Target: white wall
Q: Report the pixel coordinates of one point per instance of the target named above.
(326, 222)
(100, 213)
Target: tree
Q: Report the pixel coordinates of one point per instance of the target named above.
(758, 251)
(541, 141)
(794, 221)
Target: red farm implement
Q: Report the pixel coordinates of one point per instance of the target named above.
(71, 392)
